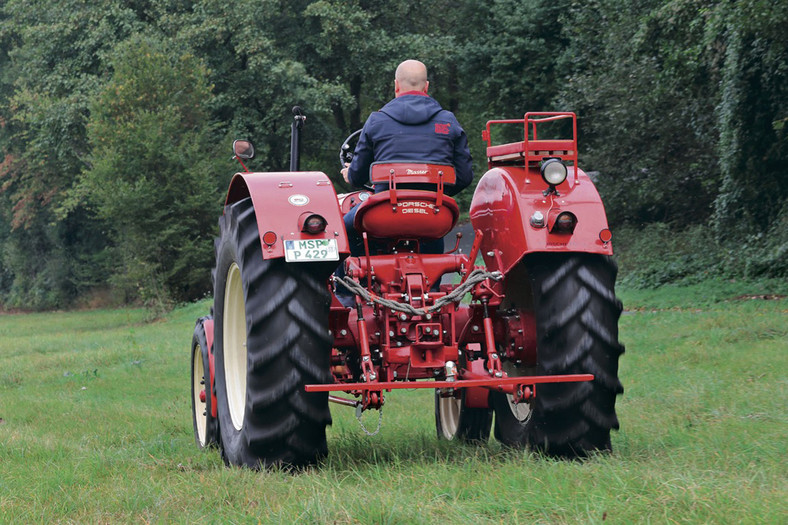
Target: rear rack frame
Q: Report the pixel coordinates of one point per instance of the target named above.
(532, 149)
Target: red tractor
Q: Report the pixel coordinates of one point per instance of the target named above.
(528, 340)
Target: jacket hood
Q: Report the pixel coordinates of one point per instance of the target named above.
(412, 109)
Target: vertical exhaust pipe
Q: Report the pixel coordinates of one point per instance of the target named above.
(295, 138)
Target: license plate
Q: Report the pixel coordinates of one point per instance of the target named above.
(307, 250)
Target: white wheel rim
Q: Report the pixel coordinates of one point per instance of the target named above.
(520, 411)
(200, 407)
(234, 340)
(449, 410)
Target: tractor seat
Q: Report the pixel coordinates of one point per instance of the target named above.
(408, 213)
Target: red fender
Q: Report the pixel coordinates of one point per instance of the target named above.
(506, 199)
(280, 201)
(207, 325)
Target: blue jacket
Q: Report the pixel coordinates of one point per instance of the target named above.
(413, 127)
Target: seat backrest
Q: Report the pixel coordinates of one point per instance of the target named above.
(406, 172)
(408, 213)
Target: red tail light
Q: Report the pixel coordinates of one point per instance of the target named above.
(564, 223)
(313, 223)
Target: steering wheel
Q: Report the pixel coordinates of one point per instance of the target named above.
(348, 147)
(346, 153)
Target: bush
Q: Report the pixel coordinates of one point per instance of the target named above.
(656, 254)
(152, 178)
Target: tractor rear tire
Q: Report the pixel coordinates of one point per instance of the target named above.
(206, 427)
(453, 420)
(577, 316)
(272, 339)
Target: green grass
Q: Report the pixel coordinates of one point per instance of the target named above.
(96, 427)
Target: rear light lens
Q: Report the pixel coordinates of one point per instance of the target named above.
(605, 236)
(269, 238)
(564, 223)
(314, 223)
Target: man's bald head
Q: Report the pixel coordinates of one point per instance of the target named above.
(411, 75)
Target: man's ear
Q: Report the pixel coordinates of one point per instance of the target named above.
(396, 87)
(426, 86)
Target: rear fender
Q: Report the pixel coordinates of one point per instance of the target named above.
(207, 326)
(506, 199)
(280, 201)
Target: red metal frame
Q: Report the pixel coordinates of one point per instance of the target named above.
(512, 191)
(208, 327)
(285, 196)
(533, 149)
(499, 384)
(376, 348)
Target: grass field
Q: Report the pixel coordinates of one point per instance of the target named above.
(96, 427)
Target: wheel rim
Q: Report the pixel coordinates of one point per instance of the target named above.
(449, 410)
(235, 346)
(198, 385)
(520, 411)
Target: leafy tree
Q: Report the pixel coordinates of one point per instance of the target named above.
(752, 112)
(152, 178)
(51, 69)
(644, 92)
(113, 159)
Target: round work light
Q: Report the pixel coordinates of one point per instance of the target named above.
(553, 171)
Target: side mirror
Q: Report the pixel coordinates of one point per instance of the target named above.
(243, 149)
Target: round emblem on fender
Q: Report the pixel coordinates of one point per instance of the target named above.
(298, 200)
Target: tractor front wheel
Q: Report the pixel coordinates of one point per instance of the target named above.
(206, 427)
(454, 420)
(272, 339)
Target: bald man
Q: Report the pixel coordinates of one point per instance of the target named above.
(412, 126)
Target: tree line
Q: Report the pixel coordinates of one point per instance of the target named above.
(116, 117)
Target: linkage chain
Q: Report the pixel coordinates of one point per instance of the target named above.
(478, 275)
(380, 420)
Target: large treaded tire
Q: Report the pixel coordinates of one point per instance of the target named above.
(577, 316)
(206, 427)
(269, 344)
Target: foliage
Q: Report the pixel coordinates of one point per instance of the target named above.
(53, 58)
(654, 255)
(682, 110)
(152, 173)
